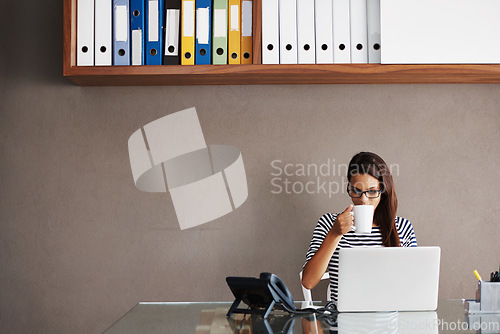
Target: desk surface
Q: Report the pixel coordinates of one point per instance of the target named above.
(210, 317)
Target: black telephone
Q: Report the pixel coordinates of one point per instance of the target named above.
(260, 294)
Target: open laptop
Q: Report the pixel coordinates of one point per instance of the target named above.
(388, 279)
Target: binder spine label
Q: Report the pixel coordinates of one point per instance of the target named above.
(188, 27)
(153, 21)
(235, 18)
(172, 35)
(202, 24)
(137, 47)
(246, 12)
(121, 23)
(220, 24)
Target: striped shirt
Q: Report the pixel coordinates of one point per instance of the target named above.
(352, 239)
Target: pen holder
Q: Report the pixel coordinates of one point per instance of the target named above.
(488, 295)
(487, 299)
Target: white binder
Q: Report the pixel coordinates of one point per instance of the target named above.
(453, 32)
(103, 33)
(85, 33)
(288, 31)
(306, 39)
(324, 31)
(270, 32)
(341, 32)
(359, 31)
(373, 17)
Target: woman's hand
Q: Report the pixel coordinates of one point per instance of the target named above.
(344, 222)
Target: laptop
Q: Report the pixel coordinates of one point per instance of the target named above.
(388, 279)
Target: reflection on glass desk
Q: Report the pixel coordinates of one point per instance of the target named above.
(205, 318)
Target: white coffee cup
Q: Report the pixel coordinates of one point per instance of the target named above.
(363, 218)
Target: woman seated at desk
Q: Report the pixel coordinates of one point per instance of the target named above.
(370, 182)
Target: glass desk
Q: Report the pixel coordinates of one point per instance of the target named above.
(210, 317)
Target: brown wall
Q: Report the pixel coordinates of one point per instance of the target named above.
(80, 245)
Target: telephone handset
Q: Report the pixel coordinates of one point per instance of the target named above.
(279, 290)
(260, 294)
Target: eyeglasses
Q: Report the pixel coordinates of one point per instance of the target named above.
(356, 193)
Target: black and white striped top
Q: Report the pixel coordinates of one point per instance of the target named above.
(352, 239)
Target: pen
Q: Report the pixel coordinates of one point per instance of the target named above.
(477, 275)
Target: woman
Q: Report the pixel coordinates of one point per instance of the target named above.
(370, 182)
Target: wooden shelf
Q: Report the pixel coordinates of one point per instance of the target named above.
(258, 74)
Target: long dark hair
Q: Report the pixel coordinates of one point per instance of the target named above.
(385, 213)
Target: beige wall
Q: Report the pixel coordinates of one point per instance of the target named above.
(79, 245)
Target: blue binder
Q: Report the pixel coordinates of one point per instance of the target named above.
(121, 32)
(203, 44)
(137, 32)
(154, 31)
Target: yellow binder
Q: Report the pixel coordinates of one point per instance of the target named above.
(234, 35)
(246, 32)
(188, 30)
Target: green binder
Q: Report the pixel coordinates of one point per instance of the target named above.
(219, 37)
